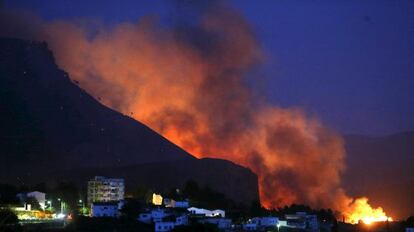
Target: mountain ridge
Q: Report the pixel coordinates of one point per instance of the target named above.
(49, 124)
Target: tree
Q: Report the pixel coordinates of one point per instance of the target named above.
(7, 217)
(8, 194)
(34, 203)
(132, 208)
(409, 222)
(41, 187)
(68, 193)
(294, 208)
(256, 210)
(326, 215)
(142, 193)
(191, 188)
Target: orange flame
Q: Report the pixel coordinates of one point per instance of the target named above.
(359, 210)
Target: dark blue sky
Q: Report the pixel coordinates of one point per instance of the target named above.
(350, 62)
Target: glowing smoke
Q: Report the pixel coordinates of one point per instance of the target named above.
(188, 82)
(189, 85)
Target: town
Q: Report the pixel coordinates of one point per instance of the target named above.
(178, 210)
(107, 198)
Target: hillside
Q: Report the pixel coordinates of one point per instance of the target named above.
(383, 169)
(50, 125)
(222, 175)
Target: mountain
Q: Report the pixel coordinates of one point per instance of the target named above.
(50, 125)
(382, 168)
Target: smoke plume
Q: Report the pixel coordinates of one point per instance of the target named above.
(187, 81)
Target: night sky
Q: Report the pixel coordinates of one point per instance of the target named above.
(350, 63)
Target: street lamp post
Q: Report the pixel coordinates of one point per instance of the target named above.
(82, 205)
(49, 204)
(61, 205)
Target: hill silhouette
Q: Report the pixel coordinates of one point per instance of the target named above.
(50, 130)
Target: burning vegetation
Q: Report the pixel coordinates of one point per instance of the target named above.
(360, 210)
(189, 81)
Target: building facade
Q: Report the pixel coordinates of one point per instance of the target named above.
(171, 203)
(102, 189)
(261, 223)
(105, 209)
(301, 220)
(164, 226)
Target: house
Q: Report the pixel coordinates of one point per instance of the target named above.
(158, 214)
(206, 212)
(105, 209)
(155, 215)
(268, 221)
(221, 223)
(168, 223)
(164, 226)
(39, 196)
(261, 223)
(301, 220)
(182, 204)
(102, 189)
(170, 203)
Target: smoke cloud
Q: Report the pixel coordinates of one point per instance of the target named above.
(187, 81)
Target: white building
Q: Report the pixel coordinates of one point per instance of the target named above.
(39, 196)
(105, 209)
(221, 223)
(102, 189)
(207, 213)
